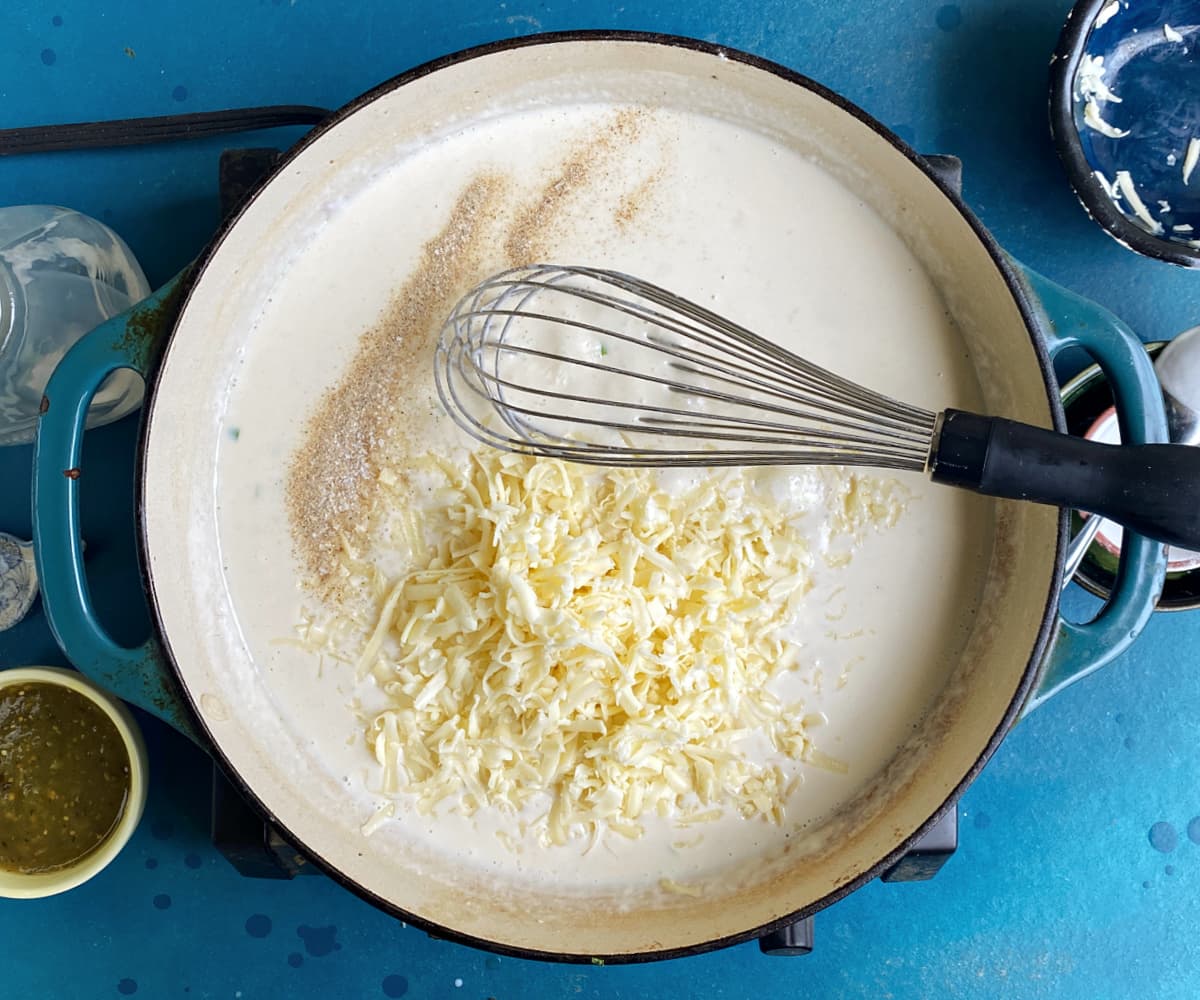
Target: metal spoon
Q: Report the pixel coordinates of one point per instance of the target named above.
(1178, 370)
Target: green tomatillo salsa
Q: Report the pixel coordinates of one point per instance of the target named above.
(64, 777)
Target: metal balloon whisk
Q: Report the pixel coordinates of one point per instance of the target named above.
(596, 366)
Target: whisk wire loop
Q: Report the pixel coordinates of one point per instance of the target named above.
(596, 366)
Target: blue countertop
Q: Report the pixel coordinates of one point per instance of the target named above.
(1078, 870)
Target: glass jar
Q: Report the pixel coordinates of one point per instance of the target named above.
(61, 274)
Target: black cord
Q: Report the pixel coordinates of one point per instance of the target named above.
(144, 131)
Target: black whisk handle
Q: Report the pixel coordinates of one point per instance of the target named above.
(1153, 489)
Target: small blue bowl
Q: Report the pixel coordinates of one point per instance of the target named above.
(1125, 116)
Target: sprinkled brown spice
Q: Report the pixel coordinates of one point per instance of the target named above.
(631, 204)
(360, 425)
(533, 226)
(329, 479)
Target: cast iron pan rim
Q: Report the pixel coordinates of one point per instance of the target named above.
(1096, 203)
(1019, 295)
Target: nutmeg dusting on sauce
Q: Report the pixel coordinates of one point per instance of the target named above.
(359, 426)
(330, 477)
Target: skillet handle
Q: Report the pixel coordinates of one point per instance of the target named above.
(1073, 321)
(135, 339)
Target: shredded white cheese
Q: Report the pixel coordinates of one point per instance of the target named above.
(383, 812)
(1091, 118)
(1171, 34)
(1190, 158)
(589, 649)
(1107, 12)
(1089, 82)
(1129, 191)
(1109, 190)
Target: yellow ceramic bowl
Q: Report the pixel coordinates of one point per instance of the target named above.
(17, 886)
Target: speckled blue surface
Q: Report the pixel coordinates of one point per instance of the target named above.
(1078, 872)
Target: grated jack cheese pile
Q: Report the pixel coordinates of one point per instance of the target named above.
(587, 649)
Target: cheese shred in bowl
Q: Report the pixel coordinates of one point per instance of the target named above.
(586, 649)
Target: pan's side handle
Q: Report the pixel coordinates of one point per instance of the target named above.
(135, 339)
(1079, 649)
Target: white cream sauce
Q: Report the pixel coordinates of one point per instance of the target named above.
(734, 221)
